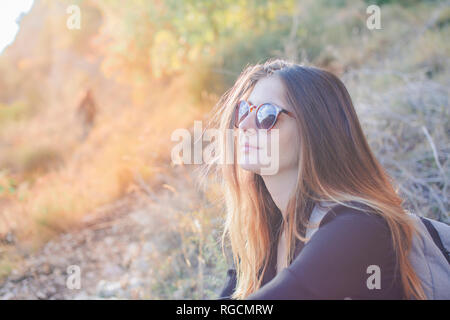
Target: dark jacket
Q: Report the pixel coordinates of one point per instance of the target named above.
(340, 261)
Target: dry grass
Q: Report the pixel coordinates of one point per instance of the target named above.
(121, 151)
(50, 180)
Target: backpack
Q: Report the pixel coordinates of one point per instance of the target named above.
(429, 254)
(430, 257)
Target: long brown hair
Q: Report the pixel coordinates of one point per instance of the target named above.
(335, 164)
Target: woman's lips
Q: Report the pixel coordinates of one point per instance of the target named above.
(246, 148)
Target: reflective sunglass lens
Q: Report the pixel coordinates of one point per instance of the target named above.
(266, 116)
(242, 111)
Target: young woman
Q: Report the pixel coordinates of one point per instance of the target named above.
(328, 224)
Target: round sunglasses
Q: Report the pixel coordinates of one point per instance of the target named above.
(266, 114)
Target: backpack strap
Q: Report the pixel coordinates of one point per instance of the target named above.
(436, 238)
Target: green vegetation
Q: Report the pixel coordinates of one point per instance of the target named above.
(154, 66)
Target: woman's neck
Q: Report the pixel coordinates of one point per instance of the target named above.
(281, 186)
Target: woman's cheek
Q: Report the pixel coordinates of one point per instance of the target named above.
(288, 150)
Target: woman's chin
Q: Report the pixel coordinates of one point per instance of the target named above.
(248, 166)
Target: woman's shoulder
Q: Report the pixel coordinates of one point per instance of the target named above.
(358, 227)
(351, 240)
(357, 215)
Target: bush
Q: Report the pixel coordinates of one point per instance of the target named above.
(41, 160)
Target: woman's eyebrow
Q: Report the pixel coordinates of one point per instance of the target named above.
(260, 103)
(277, 104)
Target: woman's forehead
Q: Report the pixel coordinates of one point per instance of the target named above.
(268, 89)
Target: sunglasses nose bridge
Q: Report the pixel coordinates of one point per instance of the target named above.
(248, 121)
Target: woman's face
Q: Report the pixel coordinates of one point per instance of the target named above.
(278, 149)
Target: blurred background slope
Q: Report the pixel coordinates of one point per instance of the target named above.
(86, 117)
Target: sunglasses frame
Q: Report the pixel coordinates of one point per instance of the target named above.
(253, 107)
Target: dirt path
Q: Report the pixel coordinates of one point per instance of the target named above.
(115, 252)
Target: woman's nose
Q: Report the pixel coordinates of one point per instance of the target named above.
(249, 122)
